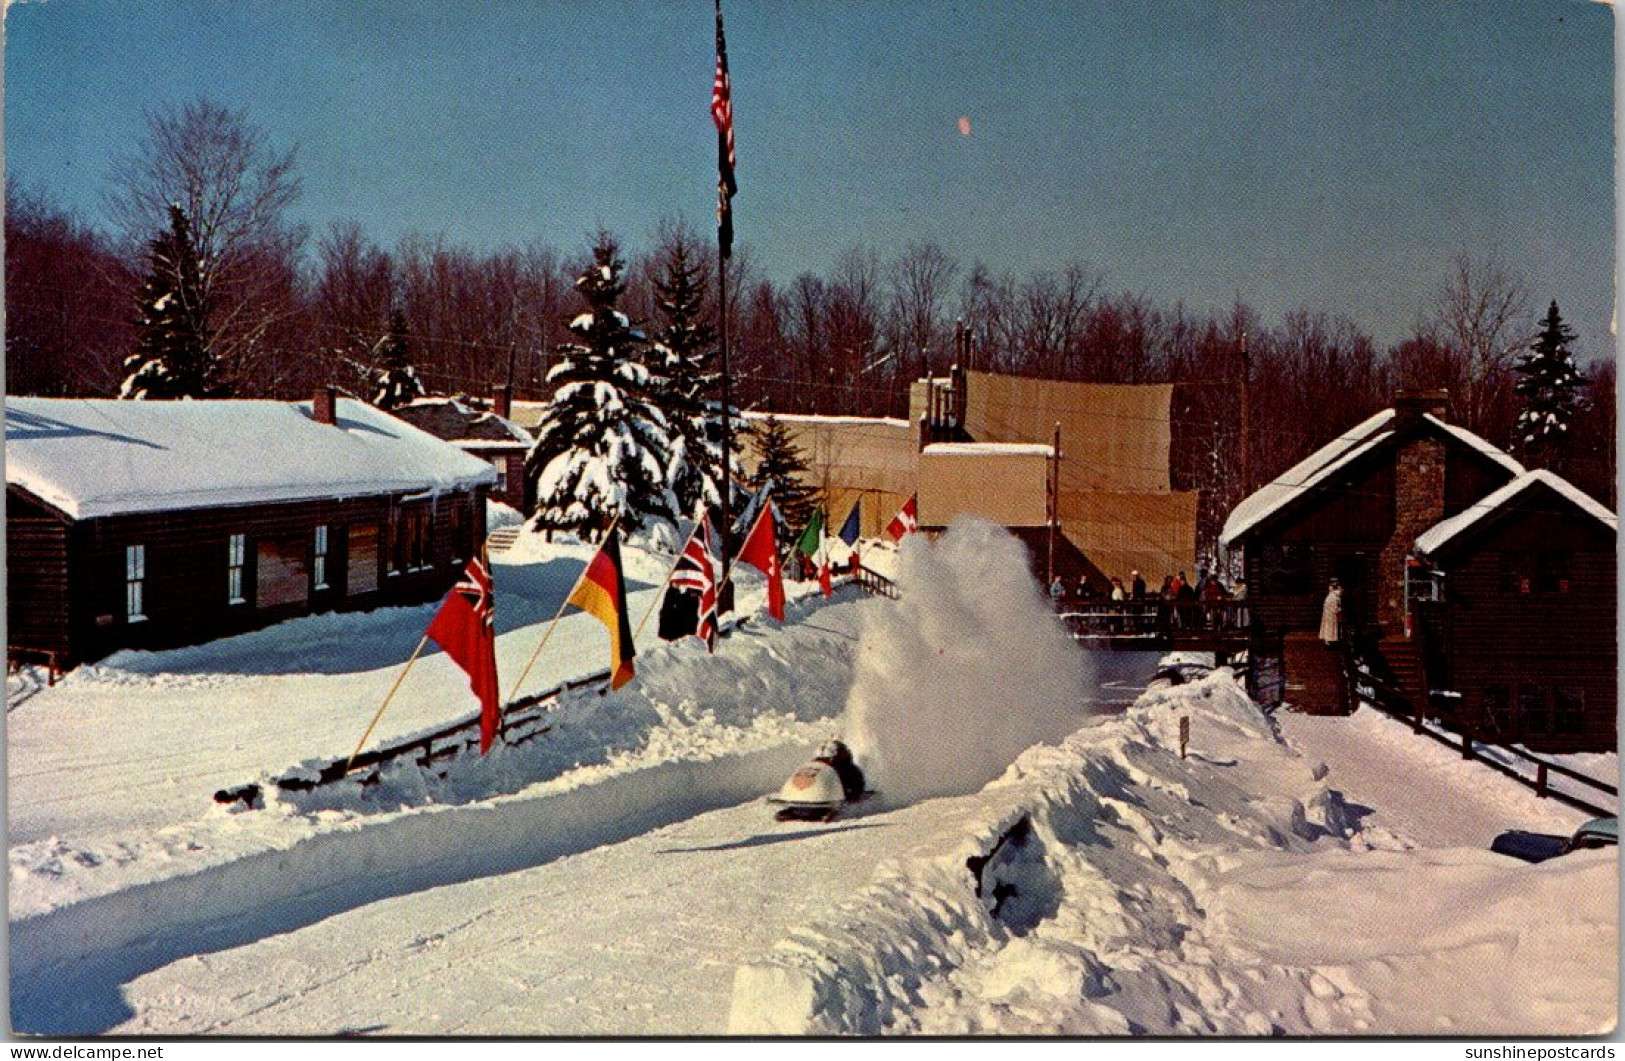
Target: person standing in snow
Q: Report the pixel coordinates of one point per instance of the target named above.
(1331, 615)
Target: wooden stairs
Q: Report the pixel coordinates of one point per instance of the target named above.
(1403, 657)
(503, 538)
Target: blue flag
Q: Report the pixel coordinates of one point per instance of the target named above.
(849, 529)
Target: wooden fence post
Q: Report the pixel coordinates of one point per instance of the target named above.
(1184, 734)
(1540, 780)
(1466, 743)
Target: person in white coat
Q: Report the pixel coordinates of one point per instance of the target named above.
(1331, 615)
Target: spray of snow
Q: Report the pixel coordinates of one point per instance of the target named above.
(967, 671)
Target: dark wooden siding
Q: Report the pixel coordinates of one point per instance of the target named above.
(185, 589)
(1497, 636)
(37, 577)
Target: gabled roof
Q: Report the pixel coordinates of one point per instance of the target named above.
(1440, 535)
(98, 457)
(1305, 477)
(451, 420)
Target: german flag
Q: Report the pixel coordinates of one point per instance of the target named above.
(602, 593)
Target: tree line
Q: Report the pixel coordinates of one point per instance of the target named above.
(282, 312)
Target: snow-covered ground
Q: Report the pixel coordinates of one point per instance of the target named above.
(622, 876)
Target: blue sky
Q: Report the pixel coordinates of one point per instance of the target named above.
(1328, 154)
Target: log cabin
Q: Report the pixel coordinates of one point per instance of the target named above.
(157, 524)
(1513, 600)
(488, 434)
(1353, 510)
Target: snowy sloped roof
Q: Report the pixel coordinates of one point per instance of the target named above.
(1337, 454)
(969, 449)
(1304, 475)
(98, 457)
(456, 422)
(1440, 534)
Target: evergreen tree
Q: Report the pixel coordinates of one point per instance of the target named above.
(601, 450)
(783, 465)
(172, 358)
(395, 381)
(1549, 385)
(685, 355)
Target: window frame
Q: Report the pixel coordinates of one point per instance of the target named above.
(318, 559)
(236, 561)
(135, 583)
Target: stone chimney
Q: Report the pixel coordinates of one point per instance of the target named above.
(1411, 405)
(1419, 497)
(501, 404)
(323, 408)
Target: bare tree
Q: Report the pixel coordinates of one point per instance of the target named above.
(1483, 315)
(919, 296)
(218, 167)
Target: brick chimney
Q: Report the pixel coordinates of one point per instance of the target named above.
(324, 406)
(501, 404)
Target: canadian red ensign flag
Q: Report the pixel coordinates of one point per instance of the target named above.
(463, 627)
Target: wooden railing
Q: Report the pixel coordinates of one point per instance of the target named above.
(522, 721)
(1152, 618)
(1366, 686)
(874, 583)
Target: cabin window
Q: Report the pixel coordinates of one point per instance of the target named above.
(1569, 706)
(318, 563)
(459, 531)
(362, 573)
(1532, 710)
(410, 541)
(135, 582)
(1536, 572)
(394, 548)
(1287, 569)
(236, 549)
(500, 463)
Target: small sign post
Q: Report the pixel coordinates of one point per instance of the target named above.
(1184, 734)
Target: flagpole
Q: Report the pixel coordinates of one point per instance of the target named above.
(534, 656)
(667, 581)
(387, 698)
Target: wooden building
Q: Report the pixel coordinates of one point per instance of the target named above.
(1513, 601)
(488, 434)
(157, 524)
(1353, 510)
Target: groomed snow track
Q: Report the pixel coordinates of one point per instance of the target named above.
(68, 966)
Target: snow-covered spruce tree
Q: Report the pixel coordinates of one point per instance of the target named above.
(1549, 384)
(395, 381)
(684, 355)
(601, 449)
(172, 358)
(782, 465)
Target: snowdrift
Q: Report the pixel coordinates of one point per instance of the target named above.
(1105, 886)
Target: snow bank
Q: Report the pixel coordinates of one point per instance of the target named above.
(1109, 887)
(968, 670)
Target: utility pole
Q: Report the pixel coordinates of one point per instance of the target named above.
(1246, 418)
(1054, 500)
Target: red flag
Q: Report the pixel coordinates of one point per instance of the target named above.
(463, 628)
(905, 522)
(761, 551)
(602, 593)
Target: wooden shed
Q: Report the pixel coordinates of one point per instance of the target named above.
(158, 524)
(1515, 601)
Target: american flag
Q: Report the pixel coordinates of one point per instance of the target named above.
(722, 113)
(696, 570)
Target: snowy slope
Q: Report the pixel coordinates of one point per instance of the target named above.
(623, 876)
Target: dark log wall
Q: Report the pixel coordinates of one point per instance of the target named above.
(36, 576)
(185, 591)
(1496, 635)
